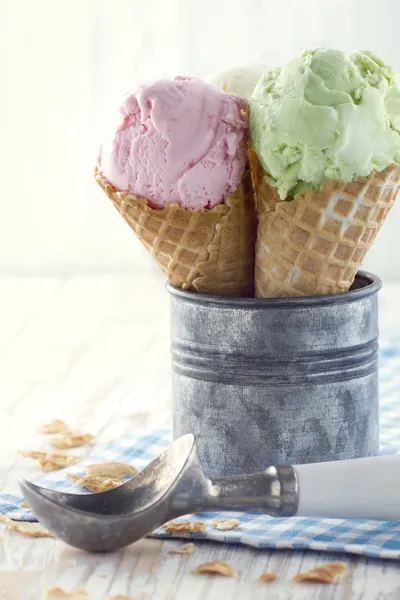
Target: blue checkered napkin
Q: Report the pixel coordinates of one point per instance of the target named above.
(370, 538)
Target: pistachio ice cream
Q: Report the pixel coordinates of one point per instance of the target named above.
(325, 116)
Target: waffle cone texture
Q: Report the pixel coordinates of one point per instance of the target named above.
(314, 244)
(209, 251)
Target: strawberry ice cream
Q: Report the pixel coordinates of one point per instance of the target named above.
(182, 141)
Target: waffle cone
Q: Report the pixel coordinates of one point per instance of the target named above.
(314, 244)
(210, 251)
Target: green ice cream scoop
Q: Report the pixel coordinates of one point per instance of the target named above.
(325, 115)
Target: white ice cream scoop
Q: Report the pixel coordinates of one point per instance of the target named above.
(240, 81)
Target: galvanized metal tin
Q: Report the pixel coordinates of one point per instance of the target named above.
(276, 381)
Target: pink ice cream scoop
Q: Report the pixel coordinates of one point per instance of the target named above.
(182, 141)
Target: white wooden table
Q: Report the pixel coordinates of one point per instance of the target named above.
(94, 351)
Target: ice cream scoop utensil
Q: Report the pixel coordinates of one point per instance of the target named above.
(174, 484)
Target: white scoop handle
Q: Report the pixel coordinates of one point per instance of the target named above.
(364, 488)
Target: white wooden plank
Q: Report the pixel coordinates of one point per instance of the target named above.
(19, 299)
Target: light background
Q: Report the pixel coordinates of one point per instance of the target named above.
(63, 68)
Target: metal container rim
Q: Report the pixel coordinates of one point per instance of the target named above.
(370, 284)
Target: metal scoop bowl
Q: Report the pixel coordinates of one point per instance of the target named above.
(170, 486)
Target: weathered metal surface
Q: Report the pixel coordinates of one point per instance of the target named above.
(276, 381)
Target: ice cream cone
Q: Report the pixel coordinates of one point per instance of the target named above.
(210, 251)
(314, 244)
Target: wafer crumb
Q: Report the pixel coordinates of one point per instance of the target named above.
(95, 484)
(34, 530)
(70, 439)
(267, 577)
(184, 527)
(55, 426)
(325, 574)
(119, 597)
(57, 593)
(51, 461)
(24, 504)
(115, 470)
(215, 567)
(184, 549)
(35, 454)
(225, 524)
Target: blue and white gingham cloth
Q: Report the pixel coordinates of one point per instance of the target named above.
(371, 538)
